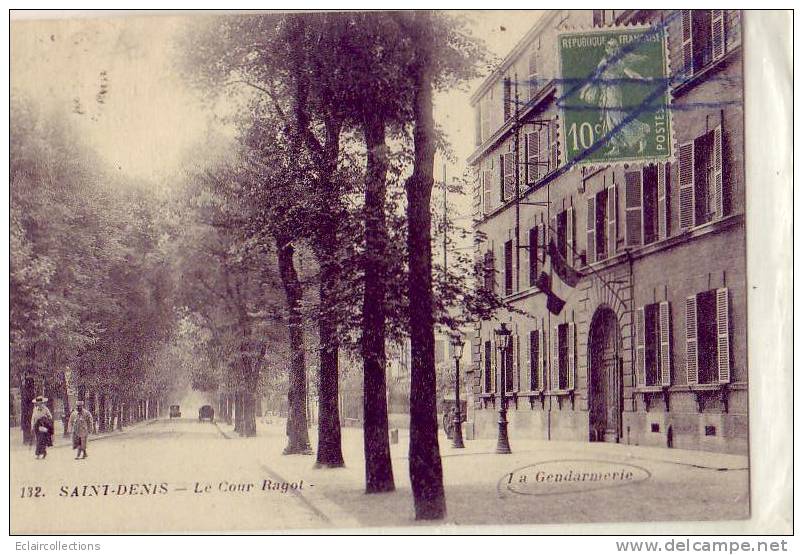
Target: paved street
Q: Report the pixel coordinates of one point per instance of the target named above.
(181, 467)
(175, 453)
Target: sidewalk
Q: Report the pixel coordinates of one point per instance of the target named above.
(60, 440)
(485, 488)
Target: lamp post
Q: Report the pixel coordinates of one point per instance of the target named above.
(503, 340)
(457, 352)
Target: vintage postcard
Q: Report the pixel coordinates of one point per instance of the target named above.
(361, 270)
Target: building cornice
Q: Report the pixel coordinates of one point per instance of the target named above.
(542, 23)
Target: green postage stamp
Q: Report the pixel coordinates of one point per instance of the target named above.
(615, 95)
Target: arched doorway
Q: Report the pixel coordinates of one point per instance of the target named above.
(604, 377)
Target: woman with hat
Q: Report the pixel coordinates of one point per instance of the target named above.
(42, 426)
(81, 423)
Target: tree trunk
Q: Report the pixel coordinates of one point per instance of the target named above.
(426, 473)
(249, 424)
(330, 453)
(378, 467)
(120, 422)
(65, 397)
(238, 412)
(27, 395)
(102, 414)
(297, 436)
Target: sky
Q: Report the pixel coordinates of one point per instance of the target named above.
(149, 119)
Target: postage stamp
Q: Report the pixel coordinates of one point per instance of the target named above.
(615, 95)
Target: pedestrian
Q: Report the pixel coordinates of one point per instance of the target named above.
(42, 426)
(81, 423)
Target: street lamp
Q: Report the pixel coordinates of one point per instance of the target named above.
(503, 340)
(457, 353)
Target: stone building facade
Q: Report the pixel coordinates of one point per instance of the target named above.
(650, 347)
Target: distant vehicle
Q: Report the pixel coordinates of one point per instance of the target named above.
(206, 412)
(175, 411)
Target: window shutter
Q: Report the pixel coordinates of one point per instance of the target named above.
(509, 176)
(570, 236)
(719, 193)
(542, 243)
(717, 34)
(640, 348)
(723, 336)
(502, 178)
(506, 98)
(633, 220)
(691, 340)
(553, 234)
(494, 361)
(532, 254)
(662, 202)
(686, 184)
(533, 72)
(516, 364)
(665, 352)
(487, 179)
(526, 158)
(533, 150)
(527, 376)
(541, 361)
(554, 375)
(553, 145)
(591, 243)
(687, 69)
(570, 337)
(612, 227)
(477, 125)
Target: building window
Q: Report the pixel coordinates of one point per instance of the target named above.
(704, 188)
(651, 346)
(601, 221)
(510, 384)
(653, 358)
(486, 176)
(507, 101)
(563, 356)
(705, 195)
(708, 337)
(507, 176)
(440, 351)
(478, 124)
(601, 18)
(646, 205)
(488, 369)
(485, 117)
(532, 66)
(536, 360)
(509, 267)
(488, 272)
(649, 199)
(541, 150)
(533, 254)
(532, 147)
(703, 36)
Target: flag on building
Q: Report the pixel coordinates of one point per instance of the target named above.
(554, 304)
(566, 273)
